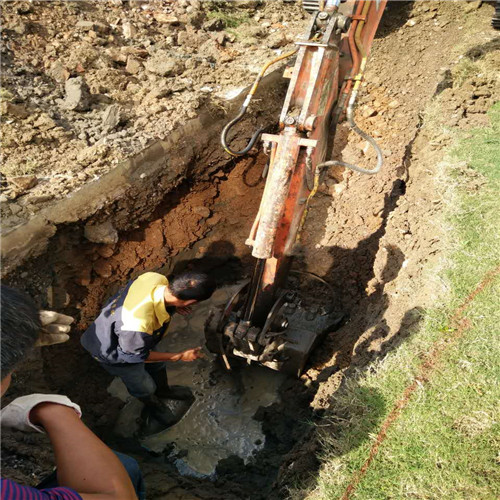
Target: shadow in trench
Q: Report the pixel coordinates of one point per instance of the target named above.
(353, 412)
(219, 261)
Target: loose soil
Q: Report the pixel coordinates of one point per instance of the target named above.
(374, 238)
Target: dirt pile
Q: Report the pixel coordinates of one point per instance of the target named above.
(89, 84)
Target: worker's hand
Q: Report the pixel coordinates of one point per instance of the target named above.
(55, 328)
(16, 415)
(191, 354)
(184, 311)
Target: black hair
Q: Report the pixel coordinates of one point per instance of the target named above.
(20, 327)
(191, 286)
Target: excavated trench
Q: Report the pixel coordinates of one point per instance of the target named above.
(241, 422)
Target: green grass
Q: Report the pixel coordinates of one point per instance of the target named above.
(446, 442)
(228, 17)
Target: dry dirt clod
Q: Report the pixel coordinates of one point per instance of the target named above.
(24, 182)
(96, 26)
(8, 108)
(163, 64)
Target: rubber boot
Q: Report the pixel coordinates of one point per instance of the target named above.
(163, 390)
(158, 410)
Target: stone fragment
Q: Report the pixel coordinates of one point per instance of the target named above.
(203, 211)
(39, 199)
(101, 233)
(133, 65)
(15, 208)
(162, 64)
(111, 118)
(44, 122)
(92, 153)
(215, 24)
(58, 72)
(220, 38)
(129, 30)
(472, 6)
(106, 251)
(96, 26)
(24, 8)
(77, 94)
(394, 104)
(163, 18)
(277, 40)
(8, 108)
(247, 4)
(103, 268)
(24, 182)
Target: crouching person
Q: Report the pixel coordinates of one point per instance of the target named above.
(86, 467)
(130, 326)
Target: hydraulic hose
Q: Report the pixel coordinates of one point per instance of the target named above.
(244, 107)
(350, 108)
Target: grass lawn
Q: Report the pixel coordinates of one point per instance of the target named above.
(445, 442)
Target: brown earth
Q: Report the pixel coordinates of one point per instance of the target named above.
(377, 239)
(141, 69)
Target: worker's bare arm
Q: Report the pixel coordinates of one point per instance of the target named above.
(84, 462)
(187, 355)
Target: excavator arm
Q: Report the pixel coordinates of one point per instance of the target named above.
(266, 322)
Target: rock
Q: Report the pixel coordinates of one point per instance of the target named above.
(8, 108)
(393, 104)
(106, 251)
(39, 199)
(3, 198)
(15, 208)
(411, 22)
(471, 6)
(163, 64)
(77, 94)
(24, 8)
(215, 24)
(111, 117)
(84, 277)
(220, 38)
(103, 268)
(93, 26)
(58, 72)
(367, 111)
(92, 153)
(277, 40)
(24, 182)
(163, 18)
(247, 4)
(101, 233)
(203, 211)
(44, 122)
(129, 30)
(133, 65)
(20, 28)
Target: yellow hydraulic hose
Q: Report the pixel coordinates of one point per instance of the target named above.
(244, 107)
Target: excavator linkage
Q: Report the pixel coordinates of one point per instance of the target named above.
(265, 321)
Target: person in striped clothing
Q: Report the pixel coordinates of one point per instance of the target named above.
(86, 468)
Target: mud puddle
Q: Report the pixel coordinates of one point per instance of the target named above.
(220, 423)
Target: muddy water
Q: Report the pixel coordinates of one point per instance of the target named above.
(220, 422)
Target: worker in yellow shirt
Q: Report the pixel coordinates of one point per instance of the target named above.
(133, 322)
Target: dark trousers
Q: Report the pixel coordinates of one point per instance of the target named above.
(131, 466)
(137, 377)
